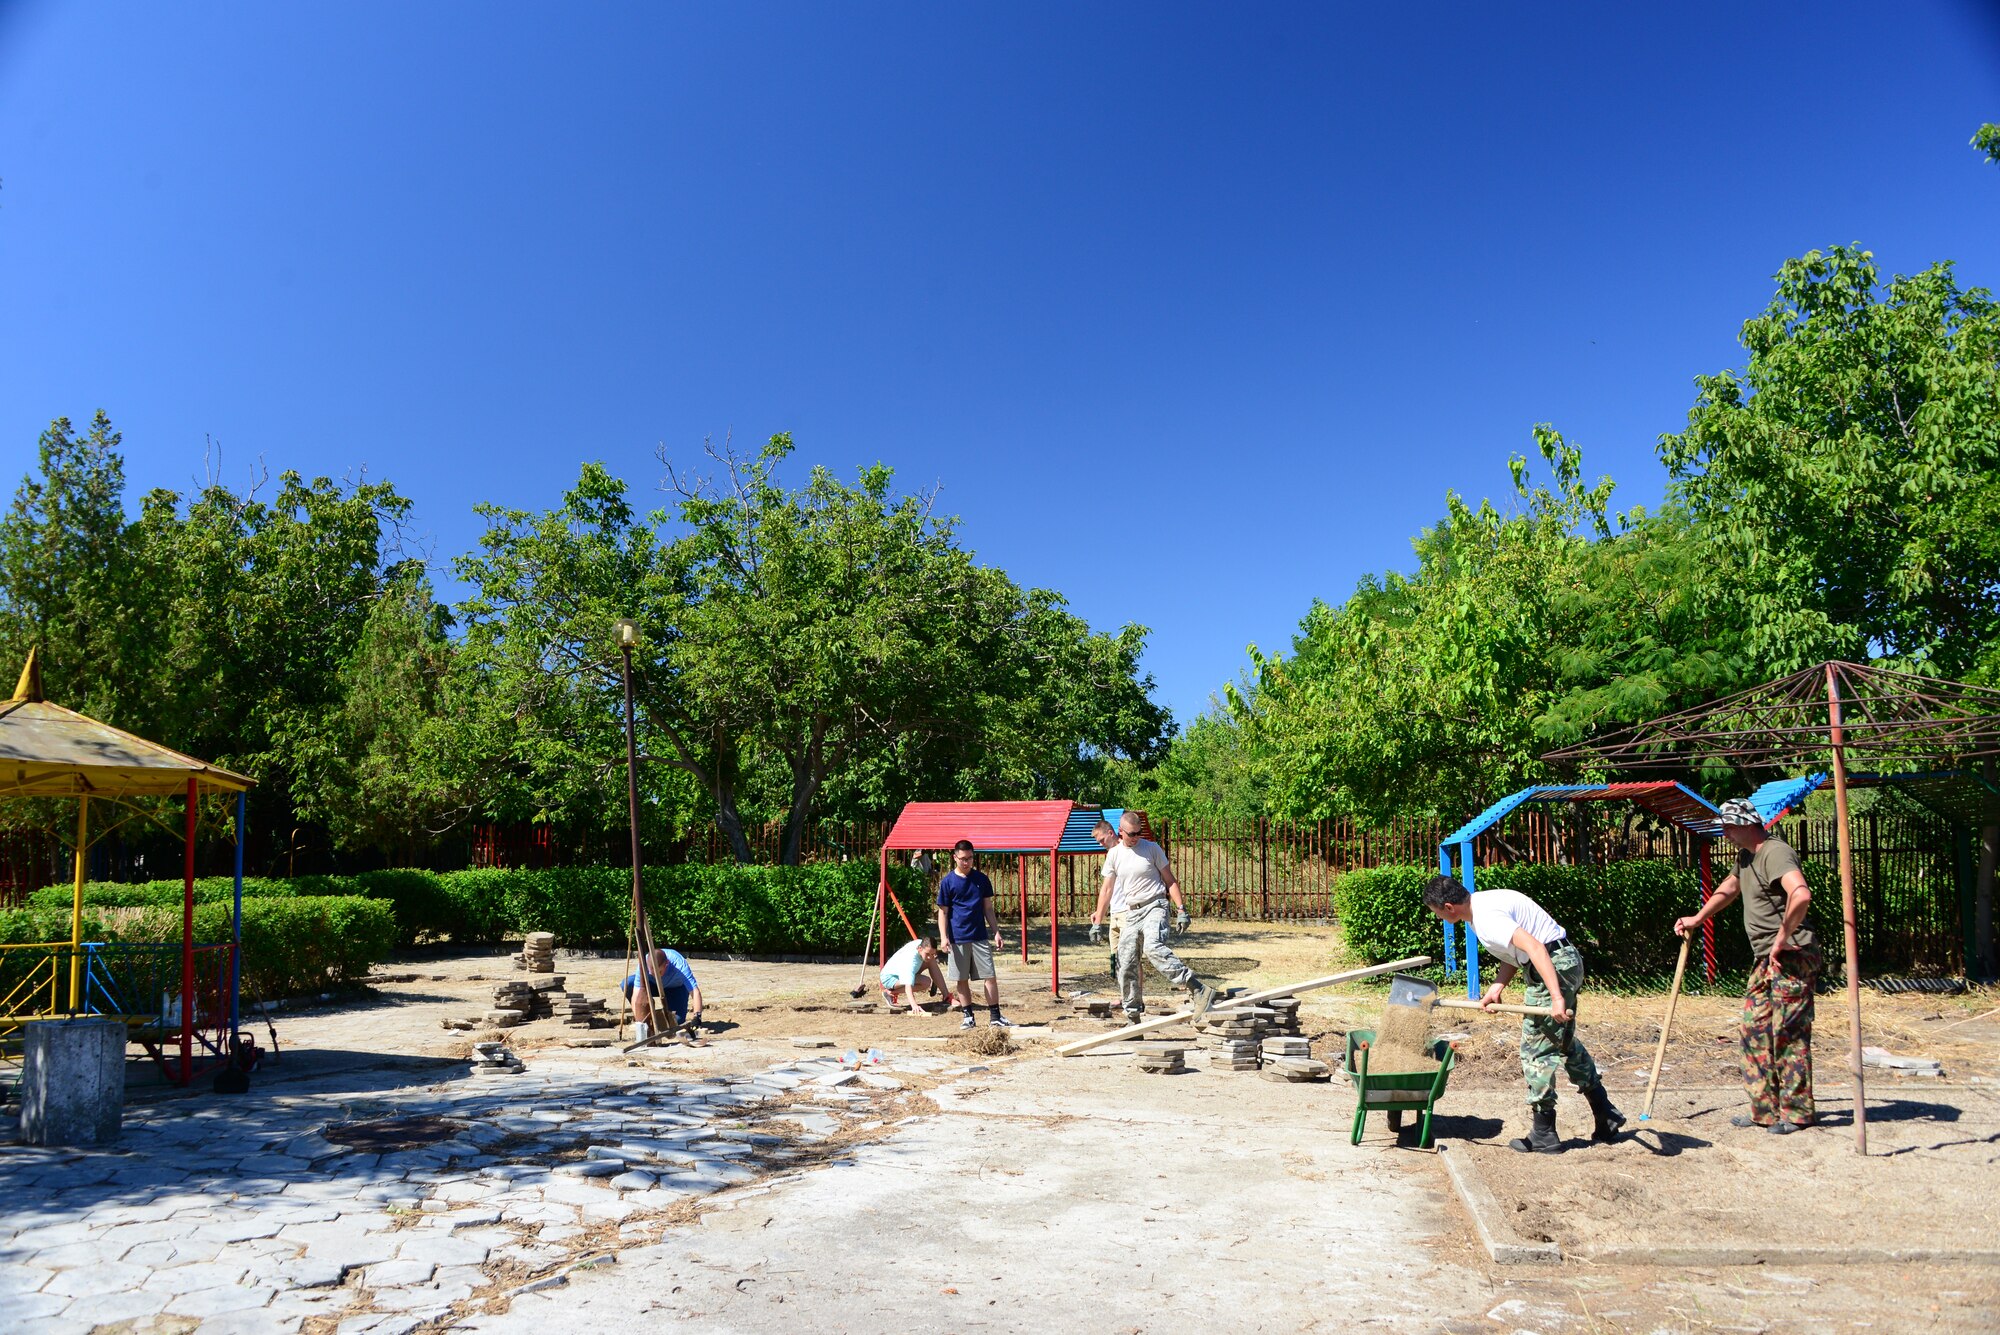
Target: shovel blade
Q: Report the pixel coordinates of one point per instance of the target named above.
(1407, 991)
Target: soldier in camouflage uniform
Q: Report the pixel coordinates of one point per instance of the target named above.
(1776, 1030)
(1514, 929)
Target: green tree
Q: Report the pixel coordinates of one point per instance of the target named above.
(1847, 479)
(1987, 140)
(829, 646)
(1434, 693)
(64, 573)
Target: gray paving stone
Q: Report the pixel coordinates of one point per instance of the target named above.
(215, 1302)
(104, 1277)
(238, 1230)
(591, 1168)
(441, 1249)
(312, 1272)
(102, 1309)
(185, 1251)
(26, 1306)
(253, 1321)
(53, 1235)
(17, 1278)
(201, 1275)
(397, 1274)
(633, 1181)
(460, 1220)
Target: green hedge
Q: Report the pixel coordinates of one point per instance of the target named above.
(1620, 914)
(820, 908)
(300, 944)
(207, 890)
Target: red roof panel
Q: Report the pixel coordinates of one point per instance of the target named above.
(993, 827)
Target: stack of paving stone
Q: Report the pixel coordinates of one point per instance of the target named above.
(1095, 1007)
(1232, 1034)
(1296, 1070)
(1276, 1046)
(529, 1000)
(582, 1012)
(1163, 1061)
(1284, 1016)
(538, 953)
(494, 1059)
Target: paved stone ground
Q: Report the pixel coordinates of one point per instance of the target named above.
(253, 1215)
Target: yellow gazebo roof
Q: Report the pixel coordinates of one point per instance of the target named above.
(49, 751)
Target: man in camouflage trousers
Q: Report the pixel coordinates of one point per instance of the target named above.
(1521, 936)
(1776, 1030)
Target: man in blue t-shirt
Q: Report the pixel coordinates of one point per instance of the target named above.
(969, 929)
(672, 986)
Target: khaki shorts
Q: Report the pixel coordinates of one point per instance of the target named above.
(970, 961)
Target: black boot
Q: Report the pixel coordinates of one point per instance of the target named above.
(1542, 1139)
(1609, 1119)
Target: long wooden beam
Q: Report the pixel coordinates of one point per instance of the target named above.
(1178, 1017)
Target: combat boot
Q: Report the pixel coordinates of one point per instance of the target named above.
(1542, 1139)
(1609, 1119)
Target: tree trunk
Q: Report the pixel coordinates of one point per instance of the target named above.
(807, 772)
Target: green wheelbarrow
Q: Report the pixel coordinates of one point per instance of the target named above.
(1403, 1092)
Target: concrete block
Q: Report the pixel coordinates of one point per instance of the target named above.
(72, 1081)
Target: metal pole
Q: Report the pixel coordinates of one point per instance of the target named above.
(236, 952)
(76, 906)
(1055, 965)
(632, 813)
(1837, 738)
(1471, 941)
(1021, 880)
(187, 944)
(1450, 931)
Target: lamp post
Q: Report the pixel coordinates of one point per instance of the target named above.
(628, 635)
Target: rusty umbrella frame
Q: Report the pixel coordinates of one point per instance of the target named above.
(1818, 713)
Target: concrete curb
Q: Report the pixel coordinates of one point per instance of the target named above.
(1715, 1256)
(1488, 1221)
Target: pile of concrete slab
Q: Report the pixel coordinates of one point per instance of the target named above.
(538, 953)
(581, 1012)
(1163, 1061)
(494, 1059)
(1284, 1017)
(531, 999)
(1232, 1035)
(1095, 1007)
(1296, 1070)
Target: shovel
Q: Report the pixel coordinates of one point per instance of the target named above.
(1407, 991)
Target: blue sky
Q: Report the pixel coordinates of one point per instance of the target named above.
(1194, 311)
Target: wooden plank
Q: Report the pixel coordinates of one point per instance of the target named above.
(1179, 1017)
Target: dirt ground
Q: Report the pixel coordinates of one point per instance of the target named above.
(1686, 1176)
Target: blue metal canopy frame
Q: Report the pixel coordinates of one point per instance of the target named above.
(1673, 801)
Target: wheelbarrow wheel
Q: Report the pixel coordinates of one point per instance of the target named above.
(1396, 1120)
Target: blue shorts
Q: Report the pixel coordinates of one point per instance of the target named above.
(674, 999)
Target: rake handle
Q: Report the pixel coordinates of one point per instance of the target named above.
(1462, 1004)
(1660, 1053)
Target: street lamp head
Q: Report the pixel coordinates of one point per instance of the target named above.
(626, 631)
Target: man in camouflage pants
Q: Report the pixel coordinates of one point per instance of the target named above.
(1776, 1030)
(1517, 932)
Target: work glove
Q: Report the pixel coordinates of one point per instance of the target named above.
(693, 1025)
(1096, 932)
(1181, 921)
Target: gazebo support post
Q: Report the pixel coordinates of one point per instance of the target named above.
(1848, 918)
(187, 942)
(1465, 875)
(236, 929)
(76, 905)
(1021, 879)
(882, 914)
(1450, 931)
(1055, 969)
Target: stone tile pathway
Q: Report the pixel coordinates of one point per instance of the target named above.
(379, 1212)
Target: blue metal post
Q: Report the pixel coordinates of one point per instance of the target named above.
(1471, 940)
(1450, 931)
(236, 954)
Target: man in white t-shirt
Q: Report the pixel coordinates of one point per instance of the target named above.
(1515, 930)
(917, 959)
(1136, 875)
